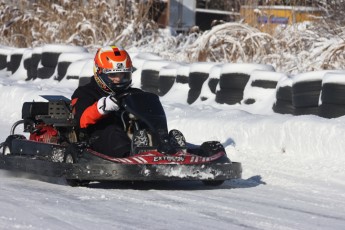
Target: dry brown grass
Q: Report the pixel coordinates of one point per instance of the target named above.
(93, 24)
(98, 23)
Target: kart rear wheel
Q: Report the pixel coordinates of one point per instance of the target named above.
(6, 149)
(6, 146)
(213, 182)
(70, 159)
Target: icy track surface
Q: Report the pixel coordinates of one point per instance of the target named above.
(293, 175)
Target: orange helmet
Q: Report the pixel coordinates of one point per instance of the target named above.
(110, 61)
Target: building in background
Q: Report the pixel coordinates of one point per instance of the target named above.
(182, 15)
(266, 15)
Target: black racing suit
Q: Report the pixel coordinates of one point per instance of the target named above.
(105, 132)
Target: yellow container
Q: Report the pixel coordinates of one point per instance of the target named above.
(267, 18)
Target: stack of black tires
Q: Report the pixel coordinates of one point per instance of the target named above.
(233, 79)
(333, 95)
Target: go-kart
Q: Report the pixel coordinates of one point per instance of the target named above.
(53, 148)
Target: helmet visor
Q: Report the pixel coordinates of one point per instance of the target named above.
(117, 77)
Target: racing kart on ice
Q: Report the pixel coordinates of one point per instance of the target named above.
(53, 149)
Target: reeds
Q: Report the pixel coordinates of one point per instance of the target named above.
(295, 48)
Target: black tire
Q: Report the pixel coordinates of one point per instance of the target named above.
(313, 110)
(75, 77)
(306, 86)
(333, 94)
(50, 59)
(249, 101)
(7, 145)
(306, 93)
(264, 84)
(35, 60)
(283, 107)
(193, 95)
(212, 84)
(61, 70)
(150, 89)
(45, 72)
(150, 78)
(83, 80)
(14, 63)
(5, 149)
(165, 84)
(182, 79)
(213, 182)
(284, 93)
(331, 110)
(27, 63)
(229, 96)
(3, 61)
(233, 80)
(197, 79)
(306, 99)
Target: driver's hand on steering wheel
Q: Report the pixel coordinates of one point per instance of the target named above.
(107, 104)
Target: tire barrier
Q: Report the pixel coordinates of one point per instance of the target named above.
(319, 93)
(198, 74)
(233, 79)
(332, 103)
(261, 88)
(283, 99)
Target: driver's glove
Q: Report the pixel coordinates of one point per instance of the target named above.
(107, 104)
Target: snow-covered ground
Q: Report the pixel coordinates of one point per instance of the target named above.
(293, 174)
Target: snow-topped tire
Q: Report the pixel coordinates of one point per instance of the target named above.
(233, 80)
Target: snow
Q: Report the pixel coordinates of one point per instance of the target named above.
(313, 75)
(71, 57)
(244, 67)
(201, 67)
(337, 78)
(60, 48)
(293, 171)
(169, 70)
